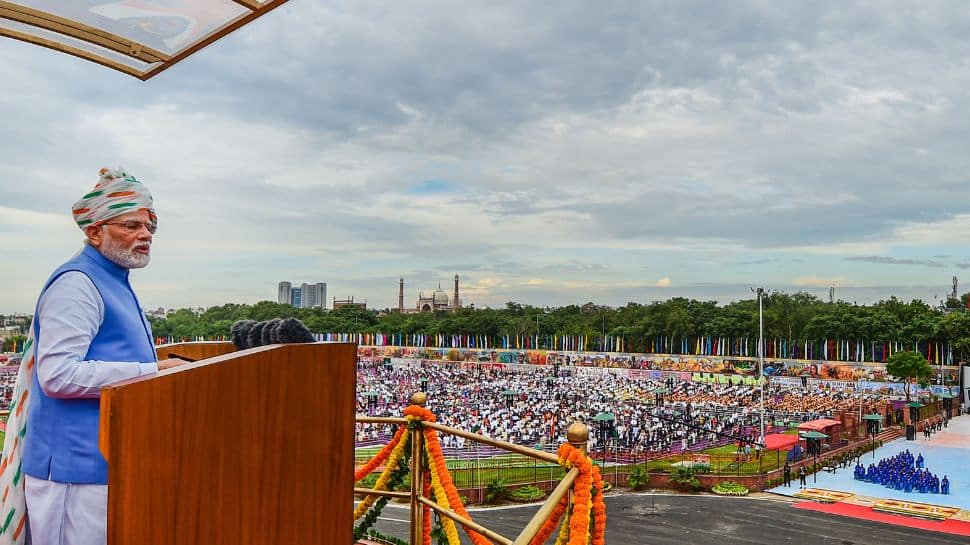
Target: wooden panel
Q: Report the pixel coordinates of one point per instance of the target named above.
(194, 351)
(215, 36)
(249, 448)
(81, 31)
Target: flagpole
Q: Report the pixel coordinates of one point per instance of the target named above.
(761, 357)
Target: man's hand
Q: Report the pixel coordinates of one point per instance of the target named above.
(169, 363)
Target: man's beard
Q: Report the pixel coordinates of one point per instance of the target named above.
(126, 258)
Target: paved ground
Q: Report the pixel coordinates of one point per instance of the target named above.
(709, 520)
(946, 454)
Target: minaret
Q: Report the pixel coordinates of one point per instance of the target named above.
(400, 296)
(456, 303)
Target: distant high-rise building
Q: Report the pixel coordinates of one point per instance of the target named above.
(314, 295)
(305, 296)
(285, 294)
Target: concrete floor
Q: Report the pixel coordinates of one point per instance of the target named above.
(662, 519)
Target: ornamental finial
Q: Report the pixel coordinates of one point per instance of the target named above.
(577, 432)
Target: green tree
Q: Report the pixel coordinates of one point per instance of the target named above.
(909, 367)
(955, 327)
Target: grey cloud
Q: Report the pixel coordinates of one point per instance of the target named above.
(578, 267)
(495, 265)
(886, 260)
(764, 125)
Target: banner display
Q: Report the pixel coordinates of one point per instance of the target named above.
(838, 376)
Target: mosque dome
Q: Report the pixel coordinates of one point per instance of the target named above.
(440, 297)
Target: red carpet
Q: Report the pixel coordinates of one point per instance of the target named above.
(958, 527)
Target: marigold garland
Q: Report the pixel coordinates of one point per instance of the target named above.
(426, 492)
(379, 458)
(433, 447)
(420, 413)
(584, 507)
(549, 526)
(446, 495)
(563, 537)
(397, 477)
(585, 523)
(381, 484)
(441, 498)
(599, 509)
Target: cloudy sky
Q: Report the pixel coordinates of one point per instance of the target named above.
(596, 151)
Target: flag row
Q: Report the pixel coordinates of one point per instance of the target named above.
(937, 352)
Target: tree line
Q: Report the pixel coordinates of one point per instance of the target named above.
(794, 317)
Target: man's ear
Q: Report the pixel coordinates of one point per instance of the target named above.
(95, 235)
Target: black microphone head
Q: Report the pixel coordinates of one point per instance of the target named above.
(274, 336)
(292, 330)
(256, 335)
(268, 331)
(240, 332)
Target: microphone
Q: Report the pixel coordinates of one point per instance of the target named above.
(250, 334)
(255, 337)
(268, 330)
(239, 332)
(292, 330)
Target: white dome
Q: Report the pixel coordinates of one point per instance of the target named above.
(440, 297)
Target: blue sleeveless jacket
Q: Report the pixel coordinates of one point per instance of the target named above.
(62, 434)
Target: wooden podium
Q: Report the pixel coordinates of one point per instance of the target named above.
(246, 448)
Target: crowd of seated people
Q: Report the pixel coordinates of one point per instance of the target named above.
(534, 408)
(8, 377)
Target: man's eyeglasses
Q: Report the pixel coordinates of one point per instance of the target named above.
(135, 226)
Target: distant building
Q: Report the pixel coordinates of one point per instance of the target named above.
(349, 302)
(305, 296)
(438, 300)
(285, 294)
(314, 295)
(158, 313)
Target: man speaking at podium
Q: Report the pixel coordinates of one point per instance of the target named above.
(89, 331)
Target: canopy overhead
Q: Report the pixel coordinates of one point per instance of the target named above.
(604, 417)
(138, 37)
(780, 441)
(818, 425)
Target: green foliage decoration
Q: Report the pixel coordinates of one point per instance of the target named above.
(730, 488)
(685, 477)
(638, 478)
(496, 490)
(527, 493)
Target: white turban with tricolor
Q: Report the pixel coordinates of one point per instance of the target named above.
(115, 194)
